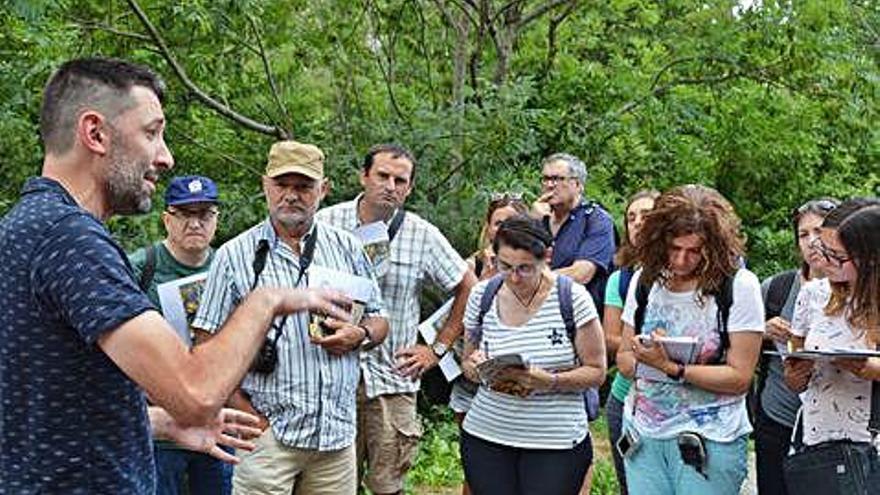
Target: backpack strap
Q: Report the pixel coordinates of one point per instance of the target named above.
(149, 270)
(625, 277)
(489, 293)
(777, 293)
(724, 300)
(642, 292)
(566, 307)
(396, 223)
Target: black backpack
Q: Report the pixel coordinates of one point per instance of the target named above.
(566, 309)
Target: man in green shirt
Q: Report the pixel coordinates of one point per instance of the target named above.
(190, 219)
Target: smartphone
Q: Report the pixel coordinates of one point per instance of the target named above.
(628, 443)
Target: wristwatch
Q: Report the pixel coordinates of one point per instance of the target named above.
(679, 373)
(439, 348)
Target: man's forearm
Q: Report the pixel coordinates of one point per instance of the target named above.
(580, 271)
(453, 327)
(217, 366)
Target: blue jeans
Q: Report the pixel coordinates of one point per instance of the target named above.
(614, 415)
(203, 474)
(656, 468)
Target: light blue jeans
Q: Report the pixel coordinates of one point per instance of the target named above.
(656, 468)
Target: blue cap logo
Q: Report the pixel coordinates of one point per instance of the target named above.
(191, 189)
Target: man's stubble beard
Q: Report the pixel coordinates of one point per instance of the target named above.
(125, 192)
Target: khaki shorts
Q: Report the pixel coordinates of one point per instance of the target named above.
(275, 469)
(388, 439)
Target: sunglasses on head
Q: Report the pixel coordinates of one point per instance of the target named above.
(505, 196)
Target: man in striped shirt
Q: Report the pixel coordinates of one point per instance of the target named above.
(388, 427)
(307, 399)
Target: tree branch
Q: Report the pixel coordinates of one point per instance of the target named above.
(539, 11)
(97, 26)
(268, 70)
(223, 110)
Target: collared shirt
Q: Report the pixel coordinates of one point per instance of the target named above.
(419, 252)
(70, 420)
(587, 234)
(310, 397)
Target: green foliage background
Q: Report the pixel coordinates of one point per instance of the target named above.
(772, 106)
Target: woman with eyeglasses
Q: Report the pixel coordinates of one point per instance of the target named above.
(615, 294)
(840, 311)
(526, 430)
(777, 405)
(501, 207)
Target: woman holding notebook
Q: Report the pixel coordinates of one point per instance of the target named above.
(839, 312)
(526, 430)
(685, 426)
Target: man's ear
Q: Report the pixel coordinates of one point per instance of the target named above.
(548, 255)
(325, 189)
(93, 132)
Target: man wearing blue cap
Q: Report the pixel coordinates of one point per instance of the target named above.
(190, 219)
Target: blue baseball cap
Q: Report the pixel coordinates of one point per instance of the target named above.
(191, 189)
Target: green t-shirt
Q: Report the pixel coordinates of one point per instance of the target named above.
(620, 385)
(167, 269)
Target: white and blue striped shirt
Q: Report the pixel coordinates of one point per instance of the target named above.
(310, 397)
(419, 253)
(542, 419)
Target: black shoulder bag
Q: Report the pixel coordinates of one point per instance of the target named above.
(834, 467)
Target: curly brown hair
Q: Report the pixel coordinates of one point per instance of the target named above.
(685, 210)
(626, 253)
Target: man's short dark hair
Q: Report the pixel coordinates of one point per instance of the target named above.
(102, 84)
(395, 150)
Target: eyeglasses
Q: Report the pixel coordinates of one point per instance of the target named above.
(555, 179)
(828, 253)
(203, 216)
(524, 270)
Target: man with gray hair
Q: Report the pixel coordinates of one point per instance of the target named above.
(583, 232)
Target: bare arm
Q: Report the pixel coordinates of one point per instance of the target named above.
(581, 271)
(732, 377)
(192, 385)
(453, 327)
(735, 376)
(419, 358)
(613, 327)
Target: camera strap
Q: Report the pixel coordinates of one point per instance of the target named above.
(305, 260)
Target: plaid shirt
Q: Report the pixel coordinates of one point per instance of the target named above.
(310, 397)
(419, 252)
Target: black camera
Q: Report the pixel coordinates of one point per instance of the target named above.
(267, 356)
